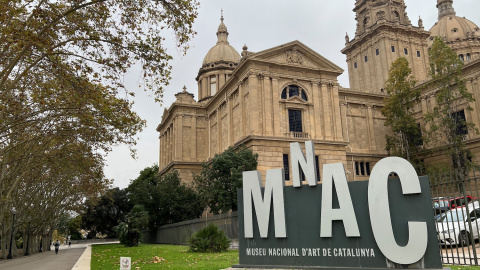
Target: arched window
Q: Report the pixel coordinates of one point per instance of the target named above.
(292, 91)
(461, 57)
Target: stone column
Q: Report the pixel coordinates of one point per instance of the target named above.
(268, 108)
(326, 112)
(474, 114)
(241, 96)
(371, 129)
(317, 111)
(219, 131)
(230, 120)
(193, 137)
(336, 114)
(255, 112)
(179, 138)
(277, 113)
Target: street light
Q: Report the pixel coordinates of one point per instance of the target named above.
(9, 256)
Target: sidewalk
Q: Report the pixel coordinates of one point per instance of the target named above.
(77, 257)
(47, 260)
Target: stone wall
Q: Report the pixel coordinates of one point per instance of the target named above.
(178, 233)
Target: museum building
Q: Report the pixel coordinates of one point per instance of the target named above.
(290, 93)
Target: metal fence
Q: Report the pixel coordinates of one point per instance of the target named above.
(456, 208)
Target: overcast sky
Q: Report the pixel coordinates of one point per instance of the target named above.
(261, 24)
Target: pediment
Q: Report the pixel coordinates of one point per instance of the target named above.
(296, 53)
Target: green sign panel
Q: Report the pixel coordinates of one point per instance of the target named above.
(378, 224)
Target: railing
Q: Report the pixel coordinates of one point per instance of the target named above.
(456, 206)
(292, 134)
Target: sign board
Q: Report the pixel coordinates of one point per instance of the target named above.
(125, 263)
(378, 224)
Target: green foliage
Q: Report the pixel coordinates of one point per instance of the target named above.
(451, 96)
(220, 178)
(103, 215)
(129, 232)
(399, 111)
(209, 239)
(150, 257)
(63, 102)
(165, 198)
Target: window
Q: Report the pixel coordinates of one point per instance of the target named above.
(366, 58)
(295, 120)
(393, 48)
(468, 57)
(355, 65)
(377, 52)
(213, 85)
(460, 122)
(405, 50)
(418, 141)
(362, 168)
(286, 170)
(418, 53)
(292, 91)
(461, 57)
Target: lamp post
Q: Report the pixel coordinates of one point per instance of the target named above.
(9, 256)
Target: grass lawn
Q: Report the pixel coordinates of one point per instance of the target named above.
(107, 257)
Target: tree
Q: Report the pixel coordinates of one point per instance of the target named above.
(447, 126)
(399, 110)
(220, 178)
(129, 231)
(108, 212)
(165, 198)
(61, 88)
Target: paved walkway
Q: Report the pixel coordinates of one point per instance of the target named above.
(77, 257)
(47, 260)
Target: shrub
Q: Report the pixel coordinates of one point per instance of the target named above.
(209, 239)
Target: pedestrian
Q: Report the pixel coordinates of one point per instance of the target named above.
(57, 246)
(69, 244)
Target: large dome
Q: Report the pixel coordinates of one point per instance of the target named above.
(451, 27)
(222, 51)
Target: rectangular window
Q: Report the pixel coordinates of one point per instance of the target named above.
(393, 48)
(418, 53)
(405, 50)
(357, 169)
(213, 85)
(366, 58)
(377, 52)
(355, 65)
(367, 167)
(362, 169)
(286, 167)
(295, 120)
(418, 137)
(460, 123)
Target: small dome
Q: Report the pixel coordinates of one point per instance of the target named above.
(453, 28)
(222, 51)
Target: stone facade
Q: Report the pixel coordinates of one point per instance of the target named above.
(290, 93)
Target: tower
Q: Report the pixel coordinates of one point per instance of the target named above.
(217, 66)
(384, 33)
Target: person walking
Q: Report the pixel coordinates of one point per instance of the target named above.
(57, 246)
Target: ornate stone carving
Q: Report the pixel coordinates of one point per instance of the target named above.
(294, 56)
